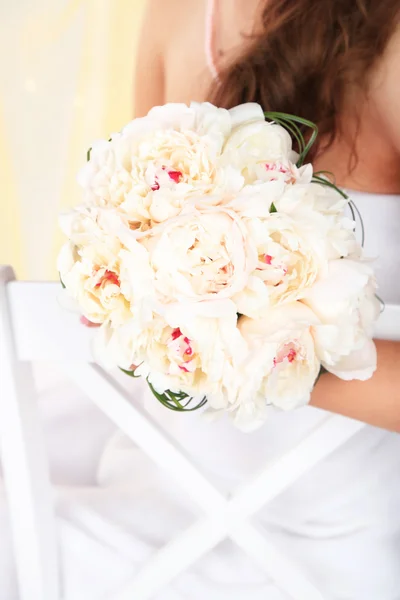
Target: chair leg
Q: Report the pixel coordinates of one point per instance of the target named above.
(26, 478)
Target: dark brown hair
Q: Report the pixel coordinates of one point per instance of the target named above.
(306, 54)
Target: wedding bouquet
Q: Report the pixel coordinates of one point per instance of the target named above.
(219, 266)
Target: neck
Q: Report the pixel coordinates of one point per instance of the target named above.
(376, 168)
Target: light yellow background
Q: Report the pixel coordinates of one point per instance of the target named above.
(66, 79)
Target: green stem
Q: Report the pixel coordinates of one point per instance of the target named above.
(291, 122)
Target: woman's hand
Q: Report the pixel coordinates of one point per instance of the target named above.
(376, 401)
(88, 323)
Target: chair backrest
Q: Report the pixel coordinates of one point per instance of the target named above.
(35, 326)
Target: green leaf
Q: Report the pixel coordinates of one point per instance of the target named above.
(381, 302)
(323, 181)
(294, 125)
(178, 402)
(327, 174)
(61, 281)
(272, 208)
(129, 373)
(88, 153)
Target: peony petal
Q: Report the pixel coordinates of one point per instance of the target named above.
(281, 318)
(344, 280)
(359, 364)
(245, 113)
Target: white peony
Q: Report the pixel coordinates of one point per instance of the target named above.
(345, 303)
(289, 253)
(211, 330)
(105, 178)
(159, 352)
(98, 271)
(321, 210)
(200, 256)
(260, 150)
(288, 263)
(193, 348)
(281, 367)
(158, 161)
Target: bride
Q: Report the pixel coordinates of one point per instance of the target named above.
(334, 62)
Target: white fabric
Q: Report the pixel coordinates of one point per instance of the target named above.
(340, 522)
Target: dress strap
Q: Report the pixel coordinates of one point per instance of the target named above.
(211, 6)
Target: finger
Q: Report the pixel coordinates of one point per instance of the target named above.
(88, 323)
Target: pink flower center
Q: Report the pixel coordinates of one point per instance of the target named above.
(183, 348)
(108, 277)
(176, 334)
(287, 352)
(276, 167)
(175, 176)
(266, 259)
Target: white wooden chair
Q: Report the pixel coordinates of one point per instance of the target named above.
(33, 326)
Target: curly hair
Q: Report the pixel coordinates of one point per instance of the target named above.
(306, 56)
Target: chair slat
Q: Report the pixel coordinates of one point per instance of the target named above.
(25, 469)
(388, 326)
(44, 330)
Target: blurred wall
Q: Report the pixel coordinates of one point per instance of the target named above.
(65, 79)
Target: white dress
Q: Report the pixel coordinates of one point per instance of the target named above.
(340, 522)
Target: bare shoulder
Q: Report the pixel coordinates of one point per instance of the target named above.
(163, 17)
(165, 20)
(157, 26)
(172, 37)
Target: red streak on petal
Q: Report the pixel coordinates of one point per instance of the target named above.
(268, 259)
(184, 369)
(176, 176)
(176, 333)
(285, 353)
(188, 352)
(108, 277)
(276, 167)
(155, 186)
